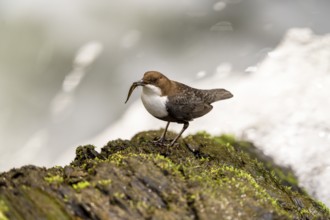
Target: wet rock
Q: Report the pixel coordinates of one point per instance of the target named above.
(203, 177)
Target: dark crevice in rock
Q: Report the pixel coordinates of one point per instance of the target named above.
(192, 208)
(83, 210)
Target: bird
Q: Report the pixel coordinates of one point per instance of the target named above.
(172, 101)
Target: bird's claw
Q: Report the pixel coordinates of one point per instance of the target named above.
(159, 141)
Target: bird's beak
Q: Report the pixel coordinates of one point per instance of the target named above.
(139, 83)
(133, 86)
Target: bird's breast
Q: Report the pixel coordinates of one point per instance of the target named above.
(155, 104)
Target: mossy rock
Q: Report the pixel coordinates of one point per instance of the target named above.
(202, 177)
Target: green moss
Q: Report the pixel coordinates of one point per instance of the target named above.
(214, 177)
(225, 178)
(3, 210)
(51, 207)
(119, 195)
(166, 164)
(225, 138)
(54, 179)
(81, 185)
(323, 207)
(104, 182)
(204, 134)
(117, 158)
(285, 176)
(65, 198)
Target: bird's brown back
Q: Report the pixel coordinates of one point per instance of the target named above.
(206, 95)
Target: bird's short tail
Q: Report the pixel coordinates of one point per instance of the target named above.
(220, 94)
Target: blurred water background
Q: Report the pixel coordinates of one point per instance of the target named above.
(66, 66)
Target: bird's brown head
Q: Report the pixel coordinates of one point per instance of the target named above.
(152, 78)
(156, 79)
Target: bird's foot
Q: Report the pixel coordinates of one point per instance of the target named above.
(159, 141)
(166, 145)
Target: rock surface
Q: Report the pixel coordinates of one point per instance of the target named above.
(202, 177)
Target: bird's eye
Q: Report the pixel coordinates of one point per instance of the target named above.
(154, 80)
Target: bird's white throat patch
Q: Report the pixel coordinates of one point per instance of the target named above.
(153, 101)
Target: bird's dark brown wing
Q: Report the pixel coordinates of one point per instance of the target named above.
(187, 106)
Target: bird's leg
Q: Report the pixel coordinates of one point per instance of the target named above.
(185, 126)
(162, 138)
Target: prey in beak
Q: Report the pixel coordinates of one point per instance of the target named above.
(133, 86)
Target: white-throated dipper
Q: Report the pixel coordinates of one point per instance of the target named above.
(172, 101)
